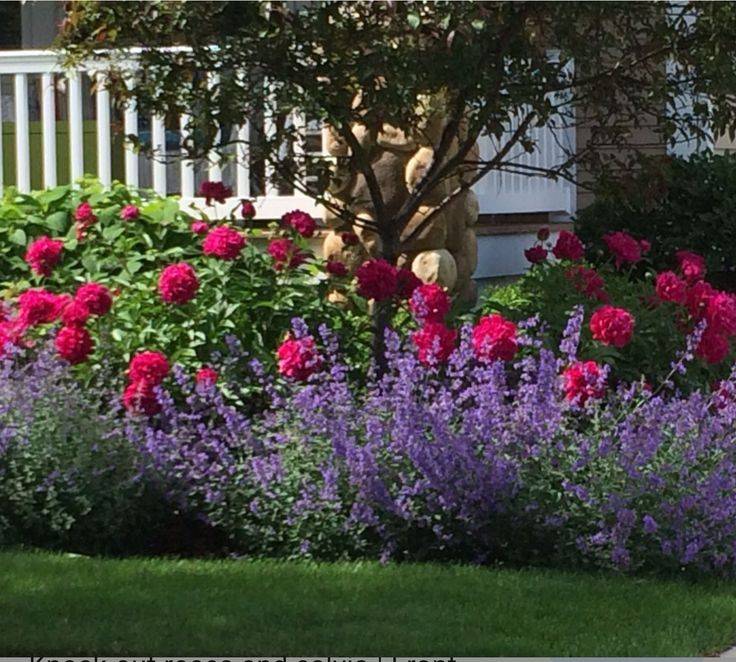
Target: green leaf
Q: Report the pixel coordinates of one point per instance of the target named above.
(57, 221)
(413, 20)
(112, 232)
(18, 237)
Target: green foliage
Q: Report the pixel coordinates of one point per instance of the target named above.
(675, 204)
(246, 298)
(547, 291)
(444, 73)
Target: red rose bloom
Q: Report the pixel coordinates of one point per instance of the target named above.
(150, 367)
(39, 306)
(285, 253)
(206, 376)
(350, 238)
(625, 249)
(543, 234)
(300, 222)
(721, 313)
(583, 380)
(430, 303)
(178, 283)
(85, 217)
(406, 282)
(697, 299)
(199, 227)
(140, 398)
(434, 343)
(568, 247)
(298, 358)
(216, 191)
(377, 279)
(130, 213)
(223, 242)
(336, 268)
(96, 297)
(74, 344)
(43, 255)
(645, 246)
(494, 338)
(75, 313)
(247, 210)
(536, 254)
(588, 282)
(612, 326)
(713, 346)
(692, 265)
(670, 287)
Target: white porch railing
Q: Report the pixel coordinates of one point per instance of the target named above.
(76, 130)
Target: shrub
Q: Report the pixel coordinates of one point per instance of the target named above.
(634, 320)
(675, 204)
(175, 284)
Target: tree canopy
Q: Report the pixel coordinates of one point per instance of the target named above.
(446, 72)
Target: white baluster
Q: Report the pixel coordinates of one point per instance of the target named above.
(214, 159)
(158, 141)
(130, 120)
(76, 126)
(22, 142)
(187, 165)
(300, 150)
(242, 166)
(269, 129)
(104, 148)
(48, 116)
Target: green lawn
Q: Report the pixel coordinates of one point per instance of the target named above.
(55, 604)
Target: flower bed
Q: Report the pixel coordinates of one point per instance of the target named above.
(571, 422)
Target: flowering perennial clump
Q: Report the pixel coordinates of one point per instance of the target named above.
(377, 280)
(612, 326)
(298, 358)
(223, 242)
(301, 222)
(43, 255)
(178, 283)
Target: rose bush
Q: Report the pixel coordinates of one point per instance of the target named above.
(123, 272)
(635, 318)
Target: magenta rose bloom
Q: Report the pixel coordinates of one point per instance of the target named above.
(301, 222)
(670, 287)
(377, 279)
(612, 326)
(568, 247)
(74, 344)
(223, 242)
(582, 381)
(148, 366)
(285, 253)
(298, 358)
(216, 191)
(536, 254)
(130, 213)
(434, 343)
(494, 338)
(430, 303)
(43, 254)
(625, 249)
(178, 283)
(96, 297)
